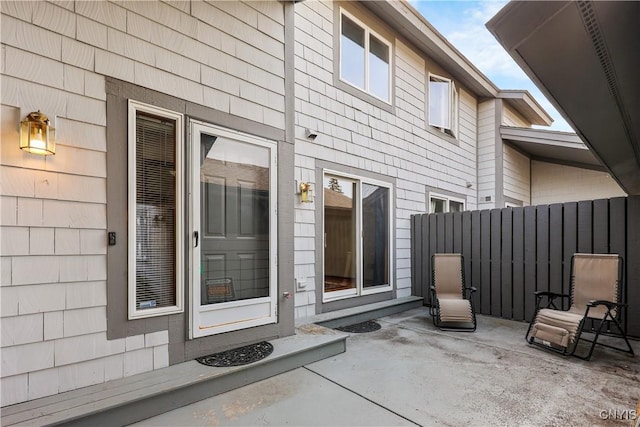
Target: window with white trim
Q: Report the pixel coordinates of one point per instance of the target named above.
(365, 58)
(155, 211)
(441, 204)
(443, 104)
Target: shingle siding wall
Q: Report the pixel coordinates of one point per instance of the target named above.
(486, 154)
(55, 56)
(551, 183)
(357, 135)
(517, 175)
(513, 118)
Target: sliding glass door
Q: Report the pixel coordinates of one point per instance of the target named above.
(357, 236)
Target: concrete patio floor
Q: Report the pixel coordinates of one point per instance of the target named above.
(410, 373)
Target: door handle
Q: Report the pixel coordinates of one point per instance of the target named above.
(195, 236)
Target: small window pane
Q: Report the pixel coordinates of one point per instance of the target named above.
(439, 104)
(378, 68)
(155, 212)
(438, 205)
(352, 53)
(456, 206)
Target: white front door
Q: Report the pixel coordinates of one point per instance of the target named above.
(233, 193)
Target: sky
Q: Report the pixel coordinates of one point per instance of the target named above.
(462, 22)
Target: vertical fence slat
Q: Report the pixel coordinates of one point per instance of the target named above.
(600, 226)
(570, 245)
(518, 264)
(440, 229)
(529, 260)
(496, 260)
(476, 264)
(618, 240)
(633, 265)
(506, 264)
(585, 227)
(555, 248)
(466, 246)
(457, 232)
(542, 248)
(485, 262)
(416, 255)
(426, 257)
(448, 233)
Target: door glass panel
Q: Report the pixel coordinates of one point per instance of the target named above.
(340, 234)
(375, 230)
(234, 194)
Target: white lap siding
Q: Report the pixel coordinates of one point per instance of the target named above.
(356, 135)
(225, 55)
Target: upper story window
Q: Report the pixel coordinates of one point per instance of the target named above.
(365, 58)
(443, 104)
(441, 204)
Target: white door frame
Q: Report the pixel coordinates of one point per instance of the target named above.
(233, 315)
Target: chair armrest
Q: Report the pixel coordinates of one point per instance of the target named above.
(471, 288)
(608, 304)
(433, 288)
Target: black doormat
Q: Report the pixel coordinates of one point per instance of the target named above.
(238, 356)
(359, 328)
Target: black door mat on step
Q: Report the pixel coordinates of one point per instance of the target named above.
(238, 356)
(362, 327)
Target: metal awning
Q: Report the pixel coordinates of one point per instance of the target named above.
(584, 57)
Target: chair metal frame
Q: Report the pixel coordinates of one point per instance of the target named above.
(607, 319)
(465, 291)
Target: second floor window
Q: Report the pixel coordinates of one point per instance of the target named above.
(443, 104)
(364, 58)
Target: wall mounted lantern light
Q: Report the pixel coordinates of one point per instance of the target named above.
(306, 192)
(36, 135)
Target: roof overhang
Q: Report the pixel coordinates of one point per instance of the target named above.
(525, 104)
(551, 146)
(584, 57)
(410, 24)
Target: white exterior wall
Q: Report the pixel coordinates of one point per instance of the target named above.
(551, 183)
(516, 175)
(487, 154)
(512, 118)
(355, 133)
(55, 56)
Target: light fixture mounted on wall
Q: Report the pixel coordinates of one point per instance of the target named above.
(312, 135)
(37, 136)
(306, 192)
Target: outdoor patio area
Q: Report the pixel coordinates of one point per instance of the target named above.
(410, 373)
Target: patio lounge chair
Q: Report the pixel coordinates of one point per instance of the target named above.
(596, 281)
(451, 304)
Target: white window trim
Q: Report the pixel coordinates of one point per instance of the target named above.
(447, 200)
(367, 31)
(454, 106)
(133, 108)
(359, 289)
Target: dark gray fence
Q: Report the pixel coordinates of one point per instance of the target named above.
(510, 253)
